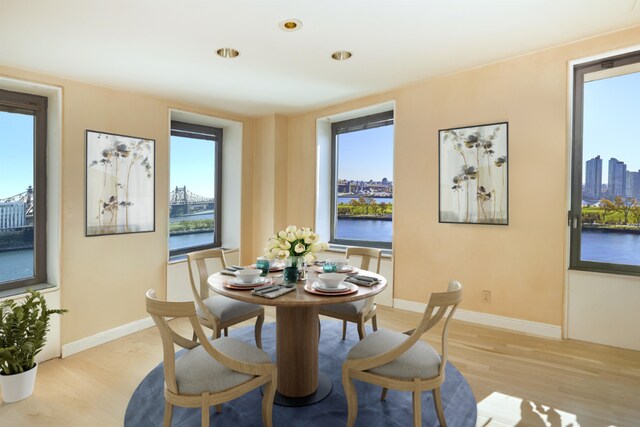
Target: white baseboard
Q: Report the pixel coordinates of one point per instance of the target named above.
(519, 325)
(106, 336)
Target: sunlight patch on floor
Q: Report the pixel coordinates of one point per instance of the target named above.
(500, 410)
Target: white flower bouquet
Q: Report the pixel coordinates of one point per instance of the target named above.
(294, 242)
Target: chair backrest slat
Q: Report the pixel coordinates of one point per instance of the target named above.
(441, 305)
(160, 311)
(367, 254)
(200, 289)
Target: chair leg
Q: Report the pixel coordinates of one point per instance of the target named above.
(226, 332)
(267, 402)
(204, 406)
(383, 395)
(344, 330)
(417, 409)
(437, 401)
(374, 322)
(258, 329)
(168, 414)
(319, 329)
(361, 329)
(352, 397)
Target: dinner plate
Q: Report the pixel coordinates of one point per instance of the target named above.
(342, 287)
(245, 287)
(238, 282)
(352, 289)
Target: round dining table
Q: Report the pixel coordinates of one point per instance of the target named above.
(297, 333)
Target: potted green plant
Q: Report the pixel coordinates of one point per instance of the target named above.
(23, 333)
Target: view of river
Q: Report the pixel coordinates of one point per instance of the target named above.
(193, 239)
(617, 248)
(599, 246)
(364, 229)
(16, 264)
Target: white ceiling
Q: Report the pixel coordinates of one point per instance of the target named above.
(168, 47)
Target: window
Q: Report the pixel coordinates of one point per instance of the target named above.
(605, 195)
(194, 208)
(362, 189)
(23, 124)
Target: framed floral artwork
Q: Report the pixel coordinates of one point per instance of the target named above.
(120, 184)
(474, 174)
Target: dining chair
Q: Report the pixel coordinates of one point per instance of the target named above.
(358, 312)
(402, 361)
(210, 372)
(219, 312)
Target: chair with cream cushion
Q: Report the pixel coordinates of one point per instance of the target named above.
(360, 311)
(402, 361)
(219, 312)
(209, 372)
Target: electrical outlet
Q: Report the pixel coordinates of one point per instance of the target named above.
(486, 296)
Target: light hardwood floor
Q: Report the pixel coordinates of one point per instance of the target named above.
(518, 380)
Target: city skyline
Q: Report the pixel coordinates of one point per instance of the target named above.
(620, 182)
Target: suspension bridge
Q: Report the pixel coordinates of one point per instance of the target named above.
(25, 197)
(184, 202)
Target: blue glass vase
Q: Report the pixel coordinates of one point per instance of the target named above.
(291, 271)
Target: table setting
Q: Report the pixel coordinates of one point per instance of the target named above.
(297, 286)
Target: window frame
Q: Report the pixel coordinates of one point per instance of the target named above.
(36, 106)
(385, 118)
(209, 133)
(575, 212)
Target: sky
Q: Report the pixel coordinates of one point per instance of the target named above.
(366, 154)
(611, 129)
(16, 153)
(612, 121)
(192, 165)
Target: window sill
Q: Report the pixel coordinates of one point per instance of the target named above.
(20, 292)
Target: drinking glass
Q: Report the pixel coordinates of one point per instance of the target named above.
(329, 267)
(263, 264)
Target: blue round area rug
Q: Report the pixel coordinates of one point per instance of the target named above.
(146, 407)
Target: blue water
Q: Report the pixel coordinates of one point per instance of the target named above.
(616, 248)
(181, 241)
(364, 229)
(16, 264)
(598, 246)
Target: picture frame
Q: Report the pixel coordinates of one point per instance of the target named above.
(119, 184)
(473, 171)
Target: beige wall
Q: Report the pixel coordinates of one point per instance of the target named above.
(103, 279)
(521, 264)
(270, 180)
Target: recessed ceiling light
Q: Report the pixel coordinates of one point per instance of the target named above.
(341, 55)
(290, 25)
(227, 52)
